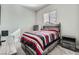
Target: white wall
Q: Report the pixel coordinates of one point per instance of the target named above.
(16, 16)
(67, 15)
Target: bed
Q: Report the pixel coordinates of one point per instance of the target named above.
(41, 42)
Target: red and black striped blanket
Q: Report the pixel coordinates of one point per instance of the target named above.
(38, 40)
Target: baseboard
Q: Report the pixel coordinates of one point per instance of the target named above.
(77, 50)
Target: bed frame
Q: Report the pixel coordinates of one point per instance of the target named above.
(49, 48)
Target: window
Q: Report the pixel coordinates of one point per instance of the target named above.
(50, 17)
(46, 18)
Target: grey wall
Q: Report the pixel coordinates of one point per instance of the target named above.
(0, 14)
(77, 28)
(67, 15)
(16, 16)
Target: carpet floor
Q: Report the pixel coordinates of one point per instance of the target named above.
(58, 50)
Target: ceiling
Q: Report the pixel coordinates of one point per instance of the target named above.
(35, 7)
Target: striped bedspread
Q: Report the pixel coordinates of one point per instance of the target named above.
(38, 40)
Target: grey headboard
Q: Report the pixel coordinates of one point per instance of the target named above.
(52, 25)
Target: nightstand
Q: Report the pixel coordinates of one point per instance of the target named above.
(68, 42)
